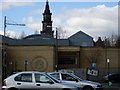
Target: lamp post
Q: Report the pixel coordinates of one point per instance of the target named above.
(26, 63)
(6, 23)
(108, 66)
(4, 72)
(11, 63)
(56, 48)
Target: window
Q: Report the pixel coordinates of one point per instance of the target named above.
(67, 77)
(27, 77)
(40, 78)
(67, 60)
(56, 75)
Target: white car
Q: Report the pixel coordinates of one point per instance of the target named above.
(71, 78)
(35, 81)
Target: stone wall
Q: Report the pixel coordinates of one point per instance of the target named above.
(40, 58)
(99, 56)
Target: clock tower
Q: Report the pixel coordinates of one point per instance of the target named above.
(47, 22)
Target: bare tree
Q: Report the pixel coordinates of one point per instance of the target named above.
(36, 32)
(93, 56)
(62, 34)
(22, 35)
(110, 41)
(7, 34)
(117, 44)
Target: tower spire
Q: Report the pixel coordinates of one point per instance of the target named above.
(47, 21)
(47, 10)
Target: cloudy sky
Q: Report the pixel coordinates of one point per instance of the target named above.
(94, 18)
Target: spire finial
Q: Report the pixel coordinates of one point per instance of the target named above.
(47, 10)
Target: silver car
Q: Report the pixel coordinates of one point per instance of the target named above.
(71, 78)
(35, 81)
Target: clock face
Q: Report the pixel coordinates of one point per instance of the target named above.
(39, 64)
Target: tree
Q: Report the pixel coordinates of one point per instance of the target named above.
(93, 56)
(62, 34)
(22, 35)
(110, 41)
(36, 32)
(117, 44)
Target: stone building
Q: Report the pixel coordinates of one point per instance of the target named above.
(43, 52)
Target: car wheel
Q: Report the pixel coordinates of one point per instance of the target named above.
(88, 88)
(66, 89)
(13, 89)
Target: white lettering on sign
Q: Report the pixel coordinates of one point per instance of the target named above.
(92, 72)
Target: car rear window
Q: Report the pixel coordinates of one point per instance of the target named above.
(26, 77)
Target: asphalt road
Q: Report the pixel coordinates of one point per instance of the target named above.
(112, 87)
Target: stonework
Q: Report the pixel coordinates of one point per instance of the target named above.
(42, 58)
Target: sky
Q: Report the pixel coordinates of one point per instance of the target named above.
(92, 17)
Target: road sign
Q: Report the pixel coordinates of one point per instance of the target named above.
(92, 72)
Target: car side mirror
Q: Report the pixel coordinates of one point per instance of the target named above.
(76, 80)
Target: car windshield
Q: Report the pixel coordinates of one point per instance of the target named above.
(77, 77)
(57, 81)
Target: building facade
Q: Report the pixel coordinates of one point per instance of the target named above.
(43, 52)
(40, 54)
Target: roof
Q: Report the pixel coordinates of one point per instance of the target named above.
(35, 39)
(81, 39)
(80, 33)
(78, 39)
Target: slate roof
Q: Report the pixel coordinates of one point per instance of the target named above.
(78, 39)
(81, 39)
(35, 39)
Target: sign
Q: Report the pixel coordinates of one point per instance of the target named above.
(92, 72)
(94, 65)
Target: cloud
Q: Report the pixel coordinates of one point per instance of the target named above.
(32, 23)
(1, 32)
(13, 34)
(14, 3)
(96, 21)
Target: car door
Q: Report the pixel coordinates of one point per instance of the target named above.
(68, 78)
(24, 81)
(42, 82)
(56, 75)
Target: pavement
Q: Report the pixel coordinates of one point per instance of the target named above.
(112, 87)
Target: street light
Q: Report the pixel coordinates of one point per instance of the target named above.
(4, 72)
(108, 64)
(12, 67)
(26, 63)
(5, 25)
(56, 47)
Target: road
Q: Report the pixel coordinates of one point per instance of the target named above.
(112, 87)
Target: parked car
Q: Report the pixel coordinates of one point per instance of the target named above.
(35, 81)
(71, 78)
(114, 78)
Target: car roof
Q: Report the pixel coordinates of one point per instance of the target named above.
(26, 72)
(60, 72)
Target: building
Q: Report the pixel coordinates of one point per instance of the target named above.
(43, 52)
(0, 66)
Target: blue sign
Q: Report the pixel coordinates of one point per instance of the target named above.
(94, 65)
